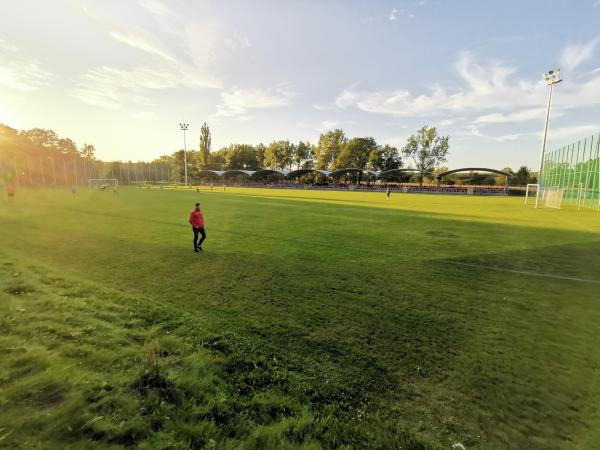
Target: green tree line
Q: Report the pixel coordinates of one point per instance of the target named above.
(41, 157)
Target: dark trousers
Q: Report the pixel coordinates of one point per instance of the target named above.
(196, 232)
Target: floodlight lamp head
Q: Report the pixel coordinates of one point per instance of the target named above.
(552, 77)
(184, 126)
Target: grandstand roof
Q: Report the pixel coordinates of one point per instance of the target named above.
(439, 176)
(338, 172)
(260, 172)
(386, 173)
(300, 172)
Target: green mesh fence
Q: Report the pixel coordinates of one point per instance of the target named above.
(575, 168)
(44, 171)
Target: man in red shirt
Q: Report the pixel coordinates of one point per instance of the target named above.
(197, 222)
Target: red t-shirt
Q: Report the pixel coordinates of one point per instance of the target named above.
(196, 219)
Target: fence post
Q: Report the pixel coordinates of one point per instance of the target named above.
(29, 171)
(598, 164)
(587, 173)
(16, 172)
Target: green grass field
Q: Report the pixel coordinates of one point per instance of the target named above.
(312, 320)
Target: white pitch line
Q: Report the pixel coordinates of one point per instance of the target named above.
(522, 272)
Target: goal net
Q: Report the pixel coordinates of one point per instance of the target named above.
(102, 184)
(553, 197)
(570, 175)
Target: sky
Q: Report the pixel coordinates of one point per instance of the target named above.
(122, 74)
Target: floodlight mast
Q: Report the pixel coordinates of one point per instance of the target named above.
(551, 78)
(184, 127)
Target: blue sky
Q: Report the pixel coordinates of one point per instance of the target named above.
(123, 74)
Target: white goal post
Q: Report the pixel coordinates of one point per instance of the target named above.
(537, 190)
(103, 183)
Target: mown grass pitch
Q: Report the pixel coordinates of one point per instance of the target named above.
(312, 320)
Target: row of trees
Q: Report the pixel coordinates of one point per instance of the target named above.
(333, 151)
(39, 157)
(424, 151)
(39, 142)
(520, 177)
(38, 152)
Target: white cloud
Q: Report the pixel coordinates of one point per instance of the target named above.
(140, 42)
(194, 41)
(5, 117)
(395, 141)
(447, 122)
(395, 13)
(321, 107)
(170, 20)
(489, 89)
(554, 133)
(114, 87)
(574, 131)
(155, 7)
(328, 125)
(576, 54)
(236, 102)
(519, 116)
(237, 42)
(20, 72)
(473, 131)
(144, 115)
(483, 87)
(111, 88)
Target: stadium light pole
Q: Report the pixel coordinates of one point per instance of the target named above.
(551, 78)
(184, 127)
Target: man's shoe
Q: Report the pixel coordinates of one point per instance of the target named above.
(196, 250)
(200, 249)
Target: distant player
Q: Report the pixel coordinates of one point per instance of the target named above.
(388, 193)
(116, 189)
(10, 192)
(197, 223)
(74, 189)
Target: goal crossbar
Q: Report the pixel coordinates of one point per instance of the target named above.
(101, 181)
